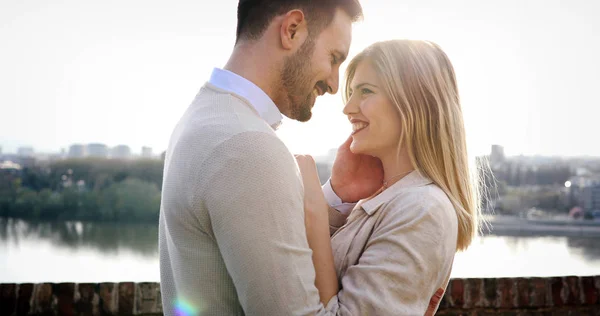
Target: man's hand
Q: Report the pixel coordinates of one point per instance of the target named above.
(355, 177)
(315, 204)
(434, 302)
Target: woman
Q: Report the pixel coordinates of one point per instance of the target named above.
(391, 253)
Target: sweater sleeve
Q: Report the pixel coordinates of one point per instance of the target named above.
(255, 204)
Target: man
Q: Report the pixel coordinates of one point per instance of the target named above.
(231, 235)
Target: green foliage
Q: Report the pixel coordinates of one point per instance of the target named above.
(84, 189)
(98, 173)
(27, 203)
(132, 199)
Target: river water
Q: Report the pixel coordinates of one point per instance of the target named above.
(101, 252)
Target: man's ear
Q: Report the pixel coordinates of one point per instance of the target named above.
(294, 29)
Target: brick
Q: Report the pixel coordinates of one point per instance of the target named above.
(43, 299)
(509, 313)
(527, 313)
(597, 286)
(457, 293)
(126, 298)
(24, 296)
(159, 298)
(507, 295)
(451, 312)
(146, 297)
(8, 299)
(65, 295)
(490, 291)
(523, 292)
(589, 291)
(108, 294)
(86, 299)
(556, 286)
(538, 292)
(473, 290)
(573, 291)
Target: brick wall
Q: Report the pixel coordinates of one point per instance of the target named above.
(569, 295)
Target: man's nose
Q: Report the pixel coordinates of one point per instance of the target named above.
(332, 83)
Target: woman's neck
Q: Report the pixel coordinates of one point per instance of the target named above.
(395, 167)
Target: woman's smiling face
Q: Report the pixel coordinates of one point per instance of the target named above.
(375, 119)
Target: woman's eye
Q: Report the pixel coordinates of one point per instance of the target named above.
(365, 91)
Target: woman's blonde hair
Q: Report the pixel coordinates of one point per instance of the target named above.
(419, 79)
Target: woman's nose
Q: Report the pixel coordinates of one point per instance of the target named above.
(350, 107)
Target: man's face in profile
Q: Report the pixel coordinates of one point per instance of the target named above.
(314, 69)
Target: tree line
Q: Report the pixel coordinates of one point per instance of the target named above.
(92, 189)
(97, 189)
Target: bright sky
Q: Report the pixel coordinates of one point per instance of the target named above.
(123, 72)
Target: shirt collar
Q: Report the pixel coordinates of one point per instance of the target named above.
(243, 87)
(413, 179)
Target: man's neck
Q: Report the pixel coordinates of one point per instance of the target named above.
(247, 60)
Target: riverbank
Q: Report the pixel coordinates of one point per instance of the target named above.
(512, 225)
(568, 295)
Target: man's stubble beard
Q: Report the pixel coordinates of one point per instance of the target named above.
(296, 82)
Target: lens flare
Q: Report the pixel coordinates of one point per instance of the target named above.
(183, 308)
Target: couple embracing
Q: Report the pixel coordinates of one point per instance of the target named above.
(246, 227)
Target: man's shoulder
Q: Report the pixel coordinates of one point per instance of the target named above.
(240, 138)
(214, 108)
(216, 115)
(212, 95)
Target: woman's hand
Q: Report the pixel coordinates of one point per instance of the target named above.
(354, 176)
(315, 204)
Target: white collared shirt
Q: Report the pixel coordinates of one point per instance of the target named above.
(262, 103)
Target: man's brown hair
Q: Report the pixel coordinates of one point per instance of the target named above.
(254, 16)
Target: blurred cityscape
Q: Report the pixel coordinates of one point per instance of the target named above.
(542, 187)
(27, 156)
(523, 186)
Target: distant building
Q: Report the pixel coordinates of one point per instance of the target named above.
(146, 152)
(121, 151)
(497, 155)
(591, 197)
(9, 171)
(25, 151)
(76, 151)
(584, 192)
(97, 150)
(23, 161)
(9, 165)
